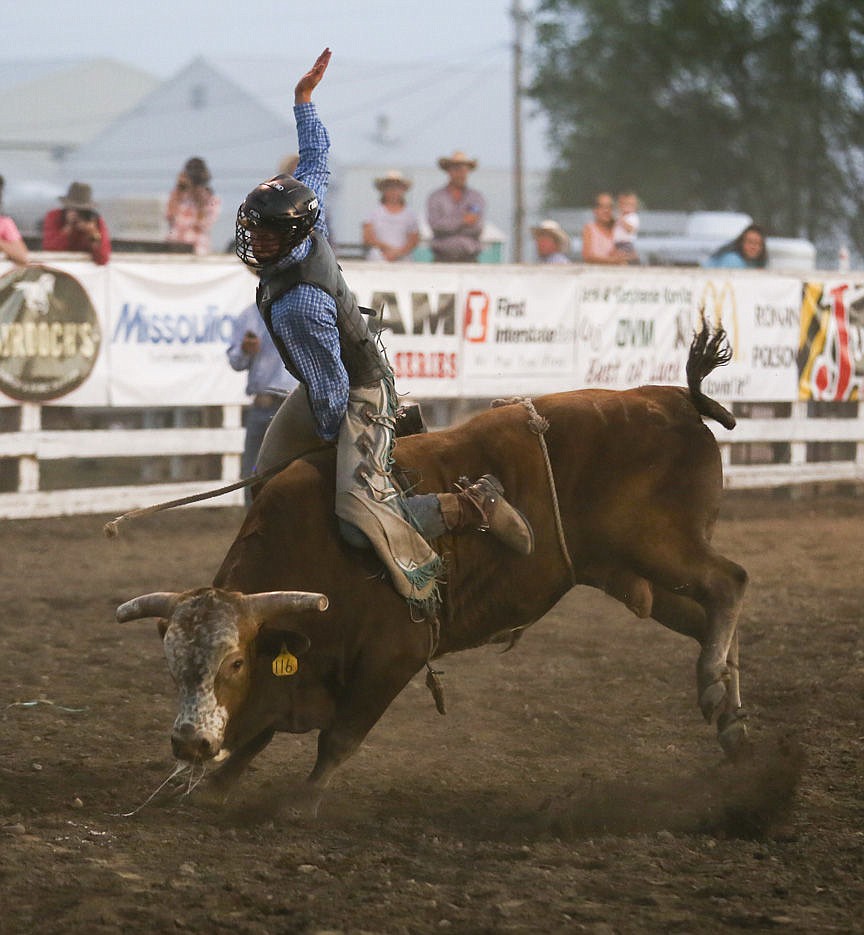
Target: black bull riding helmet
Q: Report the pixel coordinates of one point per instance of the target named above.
(275, 217)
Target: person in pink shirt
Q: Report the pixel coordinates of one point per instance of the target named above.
(77, 226)
(598, 244)
(192, 207)
(12, 244)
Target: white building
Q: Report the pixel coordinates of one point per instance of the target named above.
(238, 117)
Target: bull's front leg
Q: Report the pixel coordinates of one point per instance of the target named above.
(358, 711)
(224, 777)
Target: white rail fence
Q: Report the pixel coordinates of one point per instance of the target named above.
(801, 437)
(33, 447)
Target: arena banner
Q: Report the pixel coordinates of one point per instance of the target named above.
(153, 331)
(52, 334)
(634, 328)
(169, 325)
(760, 313)
(417, 311)
(518, 334)
(472, 331)
(831, 344)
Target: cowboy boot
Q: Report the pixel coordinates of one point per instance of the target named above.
(482, 506)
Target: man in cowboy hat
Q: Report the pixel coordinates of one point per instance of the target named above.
(391, 231)
(77, 226)
(552, 242)
(455, 213)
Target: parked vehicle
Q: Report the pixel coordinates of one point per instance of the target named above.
(706, 231)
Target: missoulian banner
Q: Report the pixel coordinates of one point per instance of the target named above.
(149, 332)
(168, 328)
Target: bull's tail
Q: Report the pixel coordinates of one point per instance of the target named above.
(708, 350)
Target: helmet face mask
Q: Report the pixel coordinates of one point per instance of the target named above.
(275, 217)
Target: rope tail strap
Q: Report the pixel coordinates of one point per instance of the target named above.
(539, 425)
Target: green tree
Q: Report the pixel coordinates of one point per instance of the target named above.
(749, 105)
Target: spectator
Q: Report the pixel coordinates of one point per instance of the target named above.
(77, 226)
(598, 245)
(12, 244)
(746, 251)
(268, 382)
(552, 243)
(455, 213)
(288, 164)
(391, 231)
(192, 207)
(626, 227)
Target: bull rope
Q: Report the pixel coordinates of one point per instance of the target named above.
(111, 529)
(539, 425)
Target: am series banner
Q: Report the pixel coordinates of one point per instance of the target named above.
(153, 331)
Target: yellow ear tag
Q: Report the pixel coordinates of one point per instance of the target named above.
(285, 663)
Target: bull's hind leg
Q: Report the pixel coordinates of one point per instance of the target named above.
(707, 610)
(731, 726)
(719, 588)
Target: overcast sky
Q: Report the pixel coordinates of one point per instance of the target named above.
(161, 36)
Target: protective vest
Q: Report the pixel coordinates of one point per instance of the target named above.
(362, 358)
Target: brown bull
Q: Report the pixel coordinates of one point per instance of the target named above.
(626, 502)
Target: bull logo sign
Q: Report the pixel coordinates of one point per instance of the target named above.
(831, 345)
(49, 334)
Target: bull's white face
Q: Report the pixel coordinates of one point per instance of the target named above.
(206, 659)
(209, 637)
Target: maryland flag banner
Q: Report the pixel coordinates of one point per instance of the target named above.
(831, 342)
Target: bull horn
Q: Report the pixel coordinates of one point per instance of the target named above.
(272, 603)
(158, 604)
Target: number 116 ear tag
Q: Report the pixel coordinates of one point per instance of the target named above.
(285, 663)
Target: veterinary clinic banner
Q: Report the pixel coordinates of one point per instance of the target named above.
(636, 328)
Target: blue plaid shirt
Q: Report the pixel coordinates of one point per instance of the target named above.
(305, 316)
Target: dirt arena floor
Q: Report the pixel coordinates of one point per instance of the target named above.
(572, 786)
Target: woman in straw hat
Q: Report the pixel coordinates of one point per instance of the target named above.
(391, 231)
(456, 212)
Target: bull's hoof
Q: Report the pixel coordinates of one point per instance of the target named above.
(711, 699)
(732, 735)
